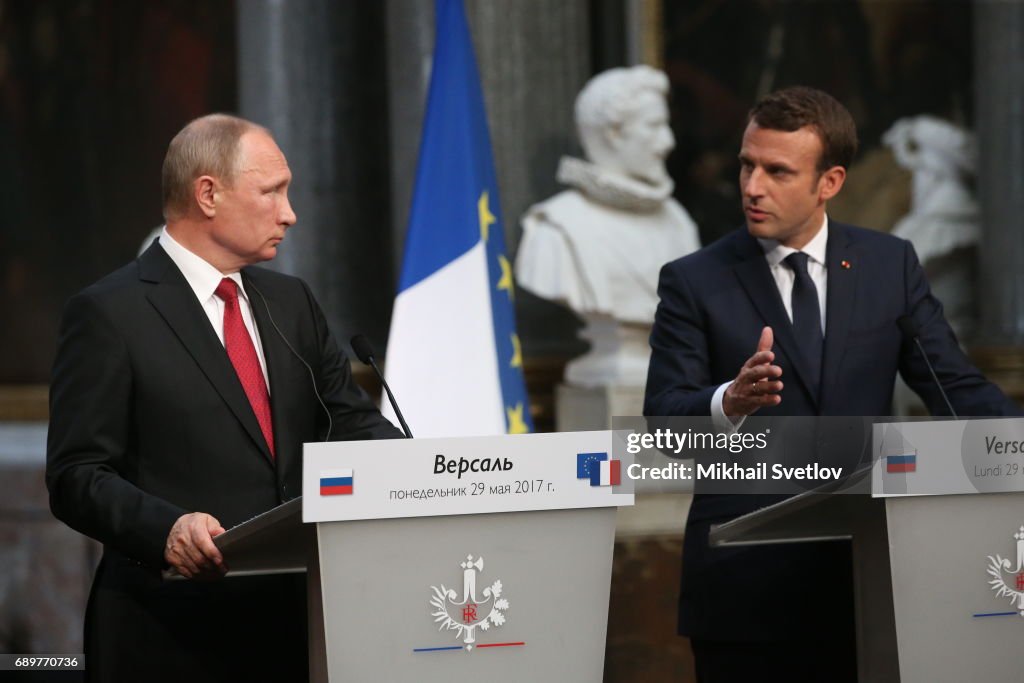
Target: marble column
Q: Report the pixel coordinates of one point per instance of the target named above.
(410, 45)
(313, 72)
(999, 120)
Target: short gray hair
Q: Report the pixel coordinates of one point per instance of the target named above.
(608, 98)
(206, 146)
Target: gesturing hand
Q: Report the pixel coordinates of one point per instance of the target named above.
(190, 548)
(757, 383)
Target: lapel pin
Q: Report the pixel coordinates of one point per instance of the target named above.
(845, 264)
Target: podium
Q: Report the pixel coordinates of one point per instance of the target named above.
(483, 558)
(938, 549)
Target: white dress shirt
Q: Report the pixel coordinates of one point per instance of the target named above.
(203, 278)
(775, 254)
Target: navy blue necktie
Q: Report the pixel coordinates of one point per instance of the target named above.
(806, 315)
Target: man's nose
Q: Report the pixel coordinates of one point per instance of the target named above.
(753, 186)
(666, 140)
(287, 214)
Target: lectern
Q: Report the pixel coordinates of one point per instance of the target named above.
(937, 526)
(484, 558)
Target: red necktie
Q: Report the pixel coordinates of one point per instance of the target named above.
(243, 356)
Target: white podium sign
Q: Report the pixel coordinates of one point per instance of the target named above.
(344, 481)
(932, 458)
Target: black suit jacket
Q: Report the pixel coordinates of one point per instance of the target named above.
(713, 306)
(149, 421)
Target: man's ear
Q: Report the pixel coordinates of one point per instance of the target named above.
(831, 182)
(205, 191)
(612, 136)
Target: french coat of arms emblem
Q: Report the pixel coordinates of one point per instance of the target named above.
(471, 611)
(1008, 576)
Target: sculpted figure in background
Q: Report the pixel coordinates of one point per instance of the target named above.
(598, 246)
(944, 222)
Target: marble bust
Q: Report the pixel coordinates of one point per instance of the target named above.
(598, 246)
(944, 223)
(945, 219)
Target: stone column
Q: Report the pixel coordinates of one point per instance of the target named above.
(999, 120)
(644, 28)
(534, 56)
(410, 45)
(313, 72)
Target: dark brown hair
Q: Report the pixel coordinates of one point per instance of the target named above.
(793, 108)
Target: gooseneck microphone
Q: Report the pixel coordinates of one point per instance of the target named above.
(364, 352)
(312, 375)
(912, 331)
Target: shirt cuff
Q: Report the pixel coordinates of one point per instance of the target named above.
(723, 422)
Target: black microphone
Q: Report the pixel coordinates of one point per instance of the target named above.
(312, 375)
(364, 352)
(911, 331)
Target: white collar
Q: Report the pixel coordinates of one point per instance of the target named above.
(201, 276)
(612, 189)
(775, 253)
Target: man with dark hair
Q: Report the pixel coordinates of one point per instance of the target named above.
(791, 109)
(793, 315)
(184, 386)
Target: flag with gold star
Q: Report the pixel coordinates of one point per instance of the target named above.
(453, 358)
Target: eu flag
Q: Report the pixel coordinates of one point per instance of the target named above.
(587, 463)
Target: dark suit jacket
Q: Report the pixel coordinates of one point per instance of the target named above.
(713, 306)
(148, 422)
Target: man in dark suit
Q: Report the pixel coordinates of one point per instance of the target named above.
(794, 315)
(184, 386)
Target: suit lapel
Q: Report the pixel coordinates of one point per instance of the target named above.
(842, 287)
(756, 278)
(283, 399)
(175, 301)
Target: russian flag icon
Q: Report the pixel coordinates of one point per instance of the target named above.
(901, 463)
(336, 482)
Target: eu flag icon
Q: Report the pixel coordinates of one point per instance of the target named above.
(584, 461)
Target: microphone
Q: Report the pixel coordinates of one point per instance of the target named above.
(364, 352)
(911, 331)
(312, 375)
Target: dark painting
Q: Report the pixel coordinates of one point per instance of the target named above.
(883, 60)
(91, 91)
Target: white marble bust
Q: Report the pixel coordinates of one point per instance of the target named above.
(944, 218)
(944, 223)
(598, 246)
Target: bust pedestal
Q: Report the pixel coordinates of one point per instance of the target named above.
(608, 379)
(618, 356)
(587, 408)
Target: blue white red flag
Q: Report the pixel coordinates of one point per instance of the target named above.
(606, 473)
(453, 356)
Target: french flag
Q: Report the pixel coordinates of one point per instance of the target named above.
(901, 463)
(454, 355)
(336, 483)
(606, 473)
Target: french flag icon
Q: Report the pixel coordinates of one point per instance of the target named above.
(606, 473)
(336, 482)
